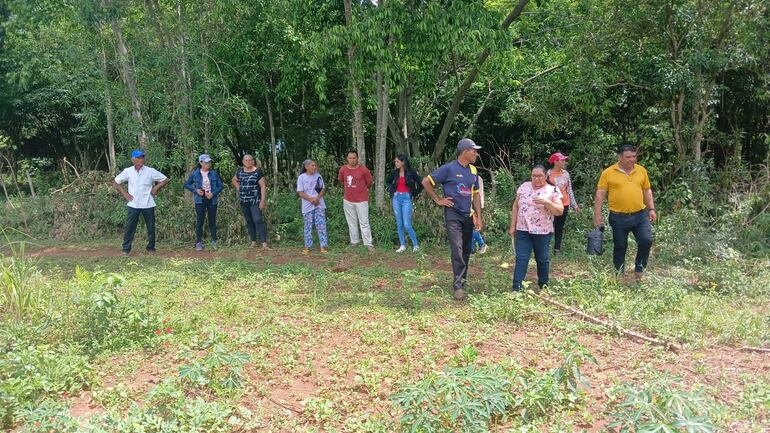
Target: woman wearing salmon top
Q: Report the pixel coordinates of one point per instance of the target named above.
(560, 177)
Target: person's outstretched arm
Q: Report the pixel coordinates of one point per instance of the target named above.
(598, 202)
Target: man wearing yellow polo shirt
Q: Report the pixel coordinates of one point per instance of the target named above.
(631, 205)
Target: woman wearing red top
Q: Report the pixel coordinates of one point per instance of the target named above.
(404, 185)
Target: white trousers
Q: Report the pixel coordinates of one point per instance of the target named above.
(357, 214)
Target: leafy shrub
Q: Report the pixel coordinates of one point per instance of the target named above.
(660, 407)
(470, 398)
(29, 374)
(17, 275)
(49, 416)
(113, 322)
(508, 307)
(220, 369)
(166, 410)
(464, 399)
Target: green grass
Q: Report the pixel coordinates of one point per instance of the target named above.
(237, 344)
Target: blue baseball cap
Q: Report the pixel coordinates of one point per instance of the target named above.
(467, 143)
(204, 158)
(137, 154)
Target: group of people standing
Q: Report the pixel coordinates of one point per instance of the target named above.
(539, 210)
(403, 184)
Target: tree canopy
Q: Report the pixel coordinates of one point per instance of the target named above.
(88, 80)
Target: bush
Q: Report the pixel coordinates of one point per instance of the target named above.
(17, 280)
(470, 398)
(111, 321)
(220, 369)
(661, 407)
(166, 410)
(28, 375)
(508, 307)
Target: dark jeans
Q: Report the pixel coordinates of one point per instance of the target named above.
(133, 218)
(201, 209)
(637, 223)
(558, 228)
(525, 243)
(255, 222)
(459, 228)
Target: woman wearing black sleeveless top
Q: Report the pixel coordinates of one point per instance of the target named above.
(252, 195)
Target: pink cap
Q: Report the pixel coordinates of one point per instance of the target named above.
(558, 156)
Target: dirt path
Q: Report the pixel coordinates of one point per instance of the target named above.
(336, 261)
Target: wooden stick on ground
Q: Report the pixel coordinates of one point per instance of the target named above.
(755, 349)
(595, 320)
(285, 406)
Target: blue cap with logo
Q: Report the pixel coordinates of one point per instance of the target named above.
(204, 158)
(137, 154)
(467, 143)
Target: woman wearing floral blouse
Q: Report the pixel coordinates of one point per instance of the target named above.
(532, 214)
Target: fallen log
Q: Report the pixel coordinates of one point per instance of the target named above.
(755, 349)
(615, 327)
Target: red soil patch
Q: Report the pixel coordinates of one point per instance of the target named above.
(84, 407)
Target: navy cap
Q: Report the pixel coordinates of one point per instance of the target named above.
(465, 144)
(137, 154)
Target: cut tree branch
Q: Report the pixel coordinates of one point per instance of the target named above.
(617, 328)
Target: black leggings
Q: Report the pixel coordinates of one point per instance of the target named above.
(558, 228)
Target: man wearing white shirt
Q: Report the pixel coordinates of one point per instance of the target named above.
(142, 188)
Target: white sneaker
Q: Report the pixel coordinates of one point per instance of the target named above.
(401, 249)
(415, 249)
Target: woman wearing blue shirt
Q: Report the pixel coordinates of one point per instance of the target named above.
(205, 184)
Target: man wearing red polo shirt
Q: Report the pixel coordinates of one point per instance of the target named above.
(356, 180)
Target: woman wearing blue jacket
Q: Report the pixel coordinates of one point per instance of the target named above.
(205, 185)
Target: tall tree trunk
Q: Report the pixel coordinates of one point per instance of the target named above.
(111, 164)
(282, 133)
(438, 149)
(395, 135)
(478, 112)
(677, 107)
(205, 61)
(128, 77)
(701, 114)
(411, 126)
(2, 184)
(152, 13)
(182, 91)
(383, 115)
(357, 127)
(273, 147)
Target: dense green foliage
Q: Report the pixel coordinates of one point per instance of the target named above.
(686, 80)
